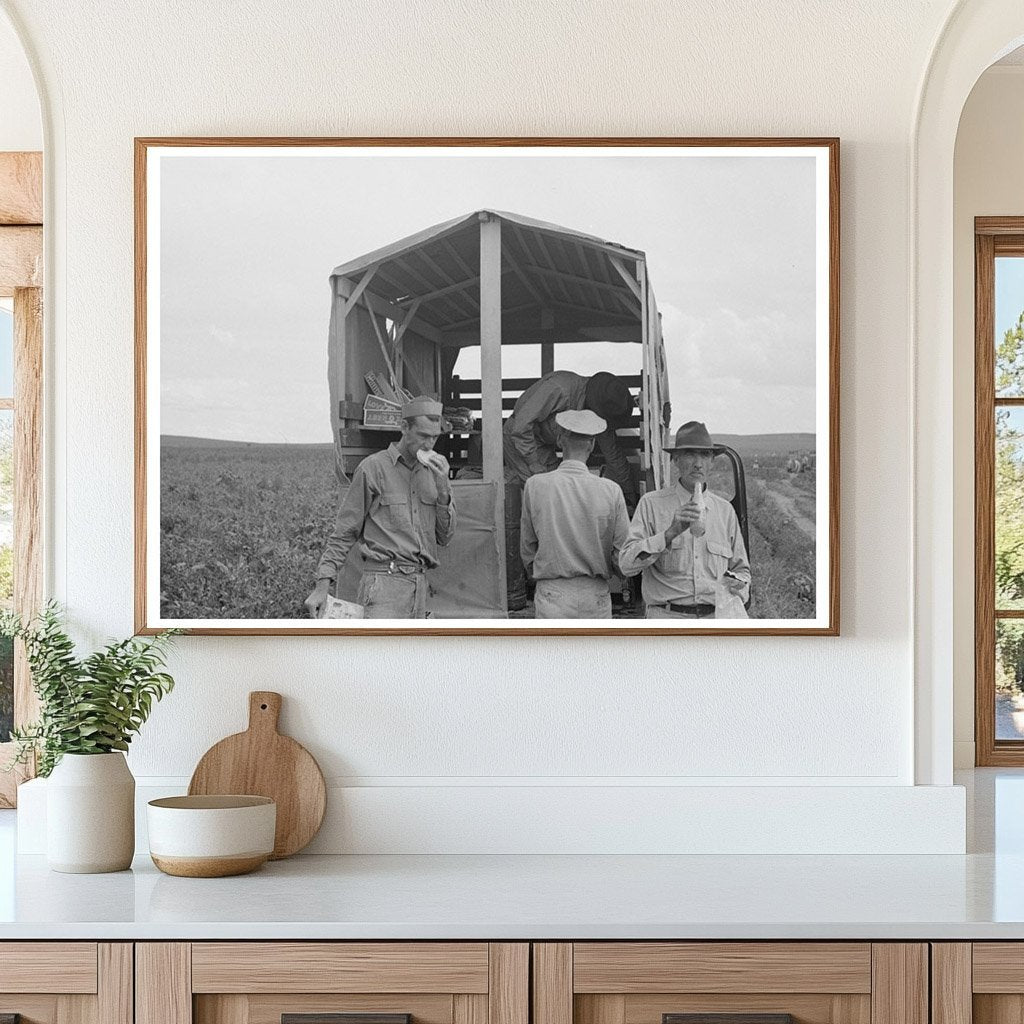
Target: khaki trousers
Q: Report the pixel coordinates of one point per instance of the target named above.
(583, 597)
(393, 595)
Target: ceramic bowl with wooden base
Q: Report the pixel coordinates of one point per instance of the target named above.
(211, 836)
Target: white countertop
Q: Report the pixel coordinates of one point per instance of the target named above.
(977, 896)
(516, 897)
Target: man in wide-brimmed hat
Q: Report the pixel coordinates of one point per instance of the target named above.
(399, 509)
(573, 525)
(685, 540)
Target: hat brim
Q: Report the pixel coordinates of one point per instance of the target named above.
(716, 448)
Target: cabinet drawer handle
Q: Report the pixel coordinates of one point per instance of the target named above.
(339, 1018)
(727, 1018)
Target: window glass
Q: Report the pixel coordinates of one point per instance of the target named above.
(1009, 512)
(6, 353)
(1000, 511)
(1009, 327)
(1009, 679)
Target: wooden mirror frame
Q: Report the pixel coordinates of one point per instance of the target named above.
(21, 278)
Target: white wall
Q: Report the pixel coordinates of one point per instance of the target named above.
(428, 718)
(987, 182)
(21, 127)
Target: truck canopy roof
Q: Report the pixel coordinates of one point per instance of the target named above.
(587, 286)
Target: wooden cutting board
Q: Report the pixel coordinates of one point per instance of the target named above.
(262, 762)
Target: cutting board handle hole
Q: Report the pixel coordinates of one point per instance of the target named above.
(263, 707)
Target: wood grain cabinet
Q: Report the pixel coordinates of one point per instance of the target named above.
(332, 983)
(750, 982)
(978, 983)
(66, 982)
(498, 983)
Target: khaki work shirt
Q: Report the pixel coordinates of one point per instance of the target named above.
(688, 571)
(395, 512)
(573, 523)
(530, 433)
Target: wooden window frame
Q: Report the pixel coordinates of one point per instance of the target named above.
(993, 237)
(21, 278)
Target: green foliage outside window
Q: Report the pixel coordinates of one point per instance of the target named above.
(1009, 656)
(1009, 510)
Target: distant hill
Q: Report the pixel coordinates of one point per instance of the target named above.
(763, 444)
(181, 441)
(745, 444)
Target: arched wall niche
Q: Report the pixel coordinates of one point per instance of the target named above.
(23, 111)
(976, 33)
(21, 121)
(986, 182)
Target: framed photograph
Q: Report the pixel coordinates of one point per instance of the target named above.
(499, 386)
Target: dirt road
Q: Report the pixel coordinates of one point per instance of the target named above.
(783, 493)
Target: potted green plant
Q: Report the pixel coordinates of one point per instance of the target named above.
(89, 710)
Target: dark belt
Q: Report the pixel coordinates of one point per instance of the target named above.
(395, 569)
(700, 611)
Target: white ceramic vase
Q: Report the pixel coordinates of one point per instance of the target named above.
(90, 814)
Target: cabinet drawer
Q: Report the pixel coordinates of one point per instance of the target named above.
(733, 982)
(66, 982)
(634, 967)
(340, 967)
(642, 982)
(332, 983)
(65, 967)
(998, 967)
(980, 982)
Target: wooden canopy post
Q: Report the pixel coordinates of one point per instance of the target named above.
(647, 387)
(547, 358)
(341, 304)
(490, 377)
(547, 346)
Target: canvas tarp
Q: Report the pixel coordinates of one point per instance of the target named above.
(421, 238)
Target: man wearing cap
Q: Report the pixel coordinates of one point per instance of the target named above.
(530, 432)
(573, 525)
(400, 509)
(685, 540)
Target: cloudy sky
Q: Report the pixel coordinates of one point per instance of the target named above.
(248, 242)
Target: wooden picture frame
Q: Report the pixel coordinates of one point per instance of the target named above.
(410, 305)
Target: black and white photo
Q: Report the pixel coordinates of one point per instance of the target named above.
(455, 386)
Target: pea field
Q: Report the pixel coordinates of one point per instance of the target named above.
(242, 527)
